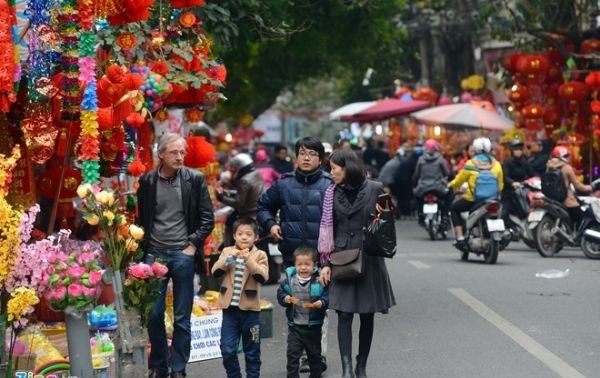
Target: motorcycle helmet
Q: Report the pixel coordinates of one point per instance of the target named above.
(482, 145)
(516, 144)
(560, 152)
(240, 161)
(432, 145)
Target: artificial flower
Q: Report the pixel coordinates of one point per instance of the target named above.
(21, 303)
(109, 215)
(95, 276)
(131, 245)
(92, 219)
(75, 290)
(83, 190)
(159, 269)
(136, 232)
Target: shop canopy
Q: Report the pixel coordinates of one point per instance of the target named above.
(350, 110)
(387, 108)
(475, 114)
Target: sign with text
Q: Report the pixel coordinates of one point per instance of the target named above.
(206, 337)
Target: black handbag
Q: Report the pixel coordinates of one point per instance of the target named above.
(380, 235)
(347, 264)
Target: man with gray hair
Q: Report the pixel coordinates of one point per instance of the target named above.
(177, 214)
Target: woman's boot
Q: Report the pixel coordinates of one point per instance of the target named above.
(347, 367)
(361, 367)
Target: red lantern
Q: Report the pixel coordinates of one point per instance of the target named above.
(533, 111)
(554, 75)
(518, 94)
(533, 124)
(595, 106)
(426, 94)
(573, 91)
(199, 152)
(555, 57)
(509, 62)
(593, 79)
(552, 114)
(533, 65)
(590, 45)
(135, 120)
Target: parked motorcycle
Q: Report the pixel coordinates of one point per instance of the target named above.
(524, 201)
(590, 245)
(435, 222)
(554, 230)
(484, 231)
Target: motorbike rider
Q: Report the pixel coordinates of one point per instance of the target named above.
(515, 170)
(248, 185)
(431, 175)
(560, 160)
(482, 160)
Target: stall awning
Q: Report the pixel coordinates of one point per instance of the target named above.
(386, 109)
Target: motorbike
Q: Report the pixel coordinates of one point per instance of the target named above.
(524, 199)
(554, 229)
(484, 231)
(433, 216)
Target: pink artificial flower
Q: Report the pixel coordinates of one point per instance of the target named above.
(58, 294)
(86, 258)
(75, 290)
(89, 292)
(140, 271)
(75, 271)
(159, 269)
(95, 276)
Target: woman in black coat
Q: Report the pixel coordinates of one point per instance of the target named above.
(354, 199)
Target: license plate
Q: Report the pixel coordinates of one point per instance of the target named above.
(495, 225)
(535, 216)
(430, 208)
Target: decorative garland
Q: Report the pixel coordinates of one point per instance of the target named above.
(90, 150)
(7, 55)
(69, 18)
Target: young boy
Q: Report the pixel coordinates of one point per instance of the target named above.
(245, 268)
(305, 301)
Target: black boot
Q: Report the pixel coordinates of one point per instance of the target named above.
(347, 367)
(361, 367)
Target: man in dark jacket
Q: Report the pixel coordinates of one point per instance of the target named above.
(431, 175)
(298, 197)
(177, 214)
(540, 150)
(515, 169)
(280, 162)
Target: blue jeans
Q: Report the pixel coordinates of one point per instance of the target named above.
(246, 324)
(181, 271)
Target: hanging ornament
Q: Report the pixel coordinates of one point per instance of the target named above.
(187, 19)
(126, 41)
(194, 115)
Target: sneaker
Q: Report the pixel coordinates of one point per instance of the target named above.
(304, 367)
(460, 244)
(323, 363)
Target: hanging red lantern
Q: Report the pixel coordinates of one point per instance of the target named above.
(555, 57)
(509, 62)
(573, 91)
(595, 106)
(518, 94)
(552, 114)
(590, 45)
(533, 124)
(533, 111)
(593, 79)
(533, 65)
(135, 120)
(554, 75)
(199, 152)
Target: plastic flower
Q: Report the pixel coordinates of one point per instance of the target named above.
(76, 271)
(92, 219)
(159, 269)
(136, 232)
(140, 271)
(83, 190)
(21, 303)
(75, 290)
(131, 245)
(95, 276)
(109, 215)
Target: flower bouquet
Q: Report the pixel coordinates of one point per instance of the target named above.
(74, 278)
(141, 288)
(121, 240)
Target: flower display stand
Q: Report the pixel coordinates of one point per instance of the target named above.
(132, 339)
(78, 340)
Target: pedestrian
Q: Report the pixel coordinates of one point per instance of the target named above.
(406, 171)
(266, 170)
(346, 209)
(297, 198)
(244, 269)
(280, 161)
(175, 209)
(305, 300)
(540, 154)
(247, 184)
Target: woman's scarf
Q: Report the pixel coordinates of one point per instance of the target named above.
(326, 243)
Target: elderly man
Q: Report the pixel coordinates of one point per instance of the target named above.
(176, 211)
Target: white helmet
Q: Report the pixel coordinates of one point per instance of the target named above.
(482, 146)
(240, 161)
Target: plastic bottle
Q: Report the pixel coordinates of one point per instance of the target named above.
(553, 273)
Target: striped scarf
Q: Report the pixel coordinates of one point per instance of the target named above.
(326, 243)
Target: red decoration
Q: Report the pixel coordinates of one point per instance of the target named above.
(162, 115)
(187, 19)
(48, 183)
(160, 67)
(552, 114)
(136, 167)
(533, 65)
(533, 111)
(593, 79)
(574, 91)
(199, 152)
(7, 56)
(510, 62)
(555, 57)
(186, 3)
(131, 11)
(132, 81)
(590, 45)
(426, 94)
(595, 106)
(126, 41)
(115, 74)
(135, 120)
(194, 115)
(518, 94)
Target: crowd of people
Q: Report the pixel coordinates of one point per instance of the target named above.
(313, 205)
